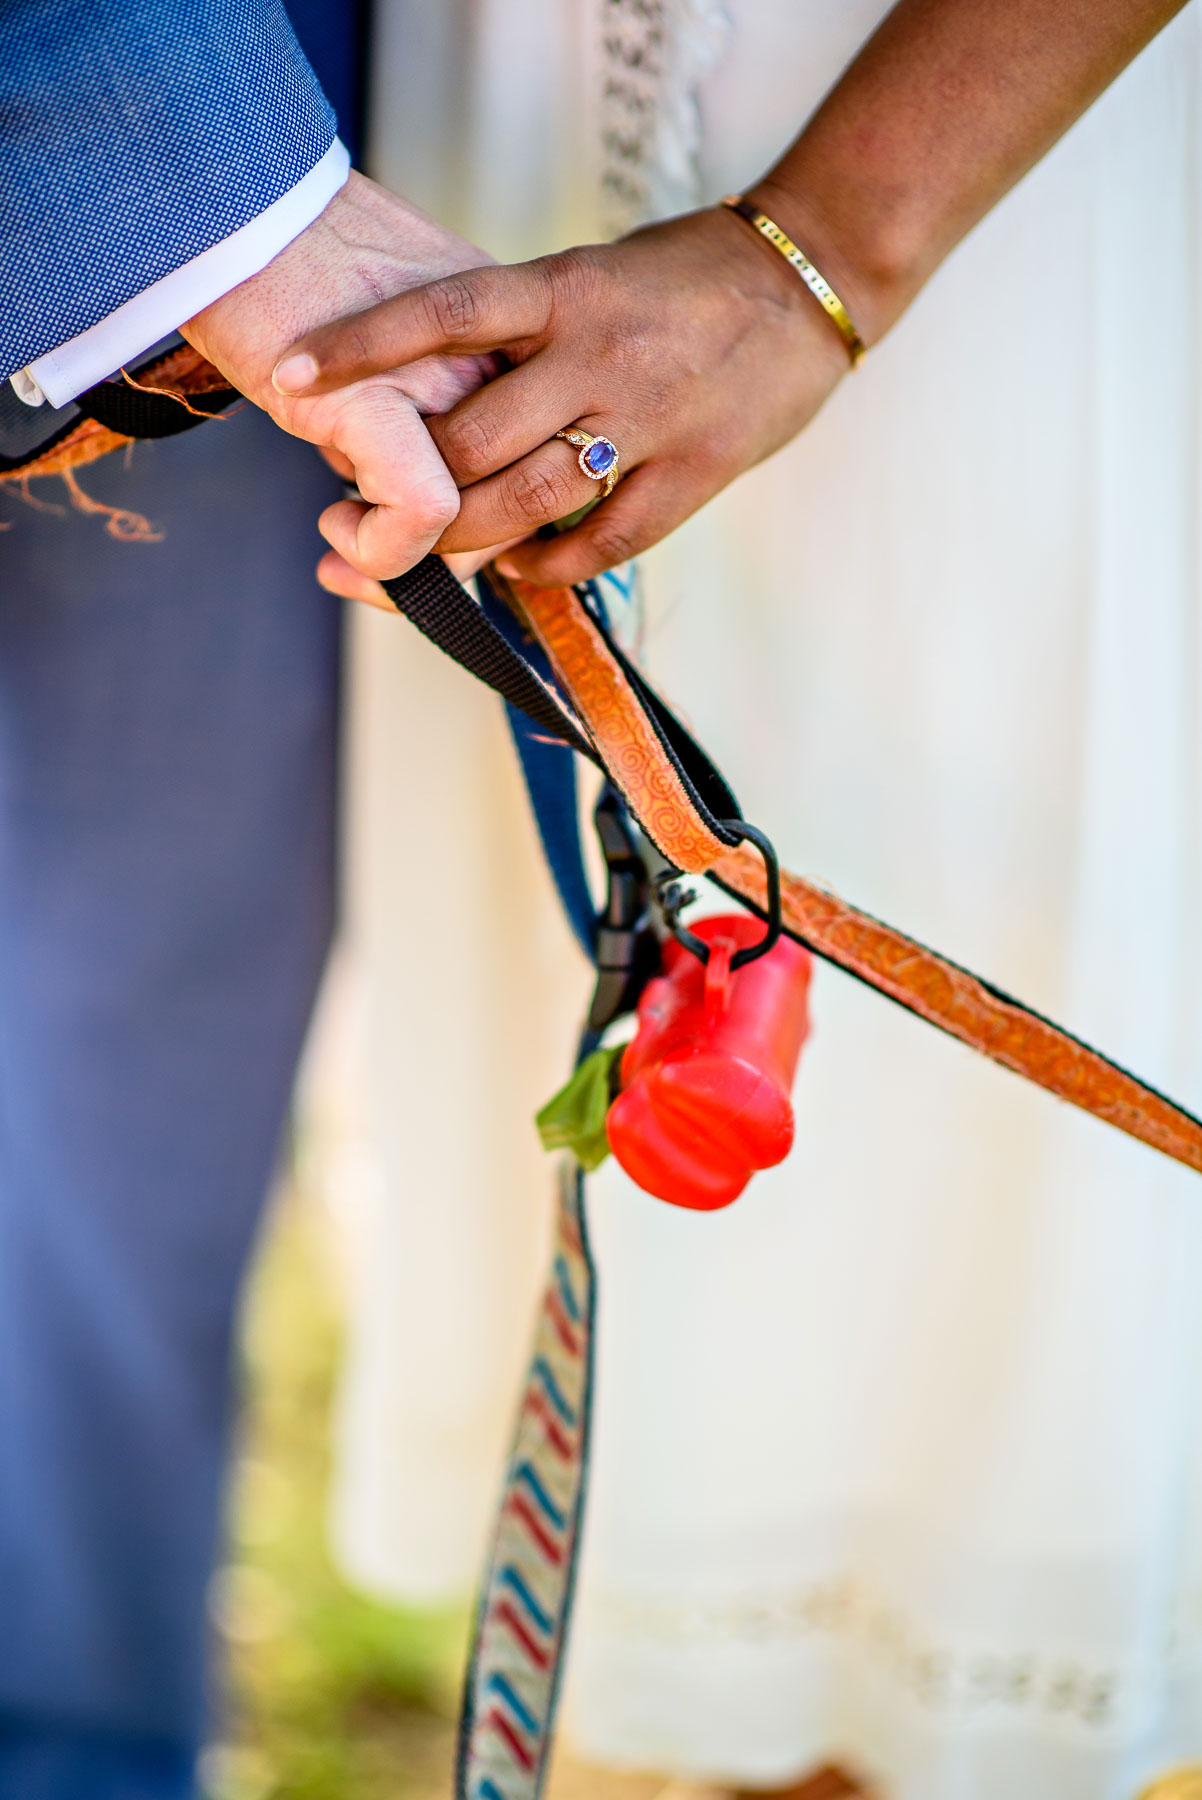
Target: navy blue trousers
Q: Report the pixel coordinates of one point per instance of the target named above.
(168, 718)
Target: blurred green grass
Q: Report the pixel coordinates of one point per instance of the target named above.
(329, 1695)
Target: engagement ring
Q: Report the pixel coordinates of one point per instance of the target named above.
(598, 458)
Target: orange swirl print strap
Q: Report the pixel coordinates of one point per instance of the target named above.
(617, 722)
(968, 1008)
(927, 984)
(175, 390)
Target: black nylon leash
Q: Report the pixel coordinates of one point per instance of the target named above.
(442, 609)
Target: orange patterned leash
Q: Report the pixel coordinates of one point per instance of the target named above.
(966, 1007)
(179, 375)
(617, 721)
(938, 991)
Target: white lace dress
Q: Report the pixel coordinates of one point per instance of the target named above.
(898, 1459)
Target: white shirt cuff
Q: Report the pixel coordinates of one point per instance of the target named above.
(159, 309)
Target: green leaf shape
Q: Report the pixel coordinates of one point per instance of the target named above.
(574, 1118)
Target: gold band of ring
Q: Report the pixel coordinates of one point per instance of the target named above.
(818, 285)
(602, 450)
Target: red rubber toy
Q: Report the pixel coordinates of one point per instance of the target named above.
(706, 1081)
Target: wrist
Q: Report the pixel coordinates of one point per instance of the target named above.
(872, 268)
(781, 287)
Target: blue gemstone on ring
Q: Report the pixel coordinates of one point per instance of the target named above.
(600, 457)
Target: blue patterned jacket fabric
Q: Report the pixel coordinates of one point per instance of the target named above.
(135, 134)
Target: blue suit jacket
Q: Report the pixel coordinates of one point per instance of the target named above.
(136, 133)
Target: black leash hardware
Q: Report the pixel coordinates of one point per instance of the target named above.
(627, 949)
(673, 899)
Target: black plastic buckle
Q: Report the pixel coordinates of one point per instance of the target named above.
(627, 948)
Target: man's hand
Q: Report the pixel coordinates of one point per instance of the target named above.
(365, 247)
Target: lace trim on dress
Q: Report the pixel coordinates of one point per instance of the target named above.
(655, 55)
(970, 1683)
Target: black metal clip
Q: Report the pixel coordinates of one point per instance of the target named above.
(673, 898)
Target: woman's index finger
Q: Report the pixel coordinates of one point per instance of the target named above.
(476, 310)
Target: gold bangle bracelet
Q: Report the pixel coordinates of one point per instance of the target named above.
(818, 285)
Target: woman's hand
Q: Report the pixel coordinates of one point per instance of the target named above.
(691, 345)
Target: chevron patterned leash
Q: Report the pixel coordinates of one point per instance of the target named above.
(563, 666)
(505, 1731)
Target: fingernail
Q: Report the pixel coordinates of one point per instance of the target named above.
(294, 373)
(507, 566)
